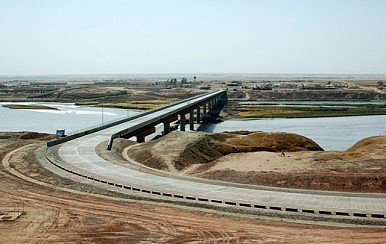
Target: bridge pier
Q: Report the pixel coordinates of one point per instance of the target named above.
(182, 122)
(167, 122)
(142, 134)
(198, 115)
(191, 119)
(166, 127)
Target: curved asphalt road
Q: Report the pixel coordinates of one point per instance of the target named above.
(80, 153)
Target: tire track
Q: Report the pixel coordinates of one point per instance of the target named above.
(91, 207)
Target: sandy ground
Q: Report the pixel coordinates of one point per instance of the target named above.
(299, 161)
(362, 168)
(264, 161)
(270, 159)
(53, 215)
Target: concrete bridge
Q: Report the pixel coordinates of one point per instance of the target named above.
(198, 109)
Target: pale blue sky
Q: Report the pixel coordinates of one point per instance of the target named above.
(192, 36)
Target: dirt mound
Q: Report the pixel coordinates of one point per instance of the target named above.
(371, 144)
(200, 151)
(35, 136)
(271, 159)
(2, 136)
(147, 155)
(179, 150)
(25, 135)
(266, 141)
(362, 168)
(120, 144)
(175, 151)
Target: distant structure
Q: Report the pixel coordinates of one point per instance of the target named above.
(265, 85)
(328, 86)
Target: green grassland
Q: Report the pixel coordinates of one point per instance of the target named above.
(307, 111)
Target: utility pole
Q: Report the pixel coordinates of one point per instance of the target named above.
(102, 111)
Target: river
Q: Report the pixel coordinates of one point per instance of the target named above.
(331, 133)
(68, 117)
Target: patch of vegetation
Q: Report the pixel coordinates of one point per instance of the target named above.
(308, 111)
(88, 103)
(27, 106)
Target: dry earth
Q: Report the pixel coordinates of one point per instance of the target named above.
(84, 215)
(271, 159)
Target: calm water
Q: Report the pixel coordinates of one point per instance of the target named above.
(333, 133)
(68, 117)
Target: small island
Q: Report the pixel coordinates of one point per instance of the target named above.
(27, 106)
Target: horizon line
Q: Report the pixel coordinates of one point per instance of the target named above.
(194, 73)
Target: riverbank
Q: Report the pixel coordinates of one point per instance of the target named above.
(236, 110)
(239, 111)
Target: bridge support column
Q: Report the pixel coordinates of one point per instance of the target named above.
(166, 127)
(142, 134)
(182, 122)
(204, 110)
(191, 119)
(198, 115)
(167, 122)
(140, 139)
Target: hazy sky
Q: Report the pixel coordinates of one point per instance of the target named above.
(192, 36)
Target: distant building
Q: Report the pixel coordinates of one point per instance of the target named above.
(329, 86)
(234, 83)
(266, 85)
